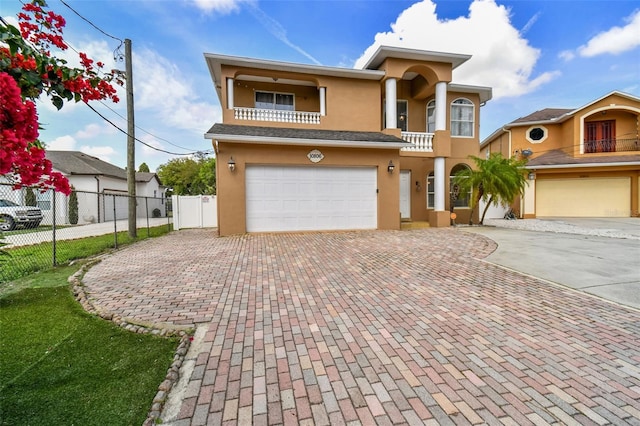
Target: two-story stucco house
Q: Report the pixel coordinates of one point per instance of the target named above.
(306, 147)
(582, 162)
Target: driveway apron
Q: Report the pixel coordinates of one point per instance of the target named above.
(379, 327)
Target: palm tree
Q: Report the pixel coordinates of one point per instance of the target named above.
(495, 180)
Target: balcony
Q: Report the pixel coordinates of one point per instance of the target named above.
(611, 145)
(420, 142)
(276, 116)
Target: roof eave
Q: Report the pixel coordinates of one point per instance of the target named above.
(305, 142)
(384, 52)
(579, 165)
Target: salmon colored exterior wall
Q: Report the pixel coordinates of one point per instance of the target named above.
(231, 196)
(352, 104)
(568, 135)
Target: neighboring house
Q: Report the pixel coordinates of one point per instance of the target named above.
(148, 185)
(101, 187)
(582, 162)
(306, 147)
(91, 178)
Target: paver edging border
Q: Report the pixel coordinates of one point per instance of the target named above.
(185, 334)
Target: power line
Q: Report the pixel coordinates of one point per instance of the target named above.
(91, 23)
(138, 140)
(139, 128)
(117, 54)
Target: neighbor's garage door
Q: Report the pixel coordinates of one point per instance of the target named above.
(588, 197)
(293, 198)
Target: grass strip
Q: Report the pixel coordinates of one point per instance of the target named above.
(22, 261)
(60, 365)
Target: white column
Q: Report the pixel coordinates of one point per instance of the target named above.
(391, 103)
(440, 180)
(439, 183)
(230, 93)
(441, 105)
(323, 101)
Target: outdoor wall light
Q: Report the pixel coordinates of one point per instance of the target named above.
(231, 164)
(390, 167)
(532, 175)
(418, 186)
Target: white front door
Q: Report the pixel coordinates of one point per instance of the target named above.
(305, 198)
(405, 194)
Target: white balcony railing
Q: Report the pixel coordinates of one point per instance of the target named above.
(420, 142)
(273, 115)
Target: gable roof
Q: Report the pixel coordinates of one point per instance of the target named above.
(79, 163)
(147, 176)
(551, 115)
(287, 136)
(547, 114)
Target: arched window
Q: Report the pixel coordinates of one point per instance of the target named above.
(431, 116)
(458, 199)
(431, 191)
(462, 113)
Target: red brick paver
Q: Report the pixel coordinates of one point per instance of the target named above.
(379, 327)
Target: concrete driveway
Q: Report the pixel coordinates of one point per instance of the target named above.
(600, 256)
(362, 328)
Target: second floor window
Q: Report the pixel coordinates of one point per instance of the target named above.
(273, 100)
(462, 118)
(600, 136)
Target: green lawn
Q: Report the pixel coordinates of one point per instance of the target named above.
(61, 366)
(22, 261)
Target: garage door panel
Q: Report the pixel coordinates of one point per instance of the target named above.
(587, 197)
(293, 198)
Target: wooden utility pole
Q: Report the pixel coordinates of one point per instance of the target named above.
(131, 142)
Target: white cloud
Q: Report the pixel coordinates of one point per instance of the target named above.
(501, 57)
(151, 143)
(566, 55)
(62, 143)
(220, 6)
(615, 40)
(94, 130)
(167, 93)
(102, 152)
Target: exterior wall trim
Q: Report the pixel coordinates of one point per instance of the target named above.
(577, 166)
(305, 142)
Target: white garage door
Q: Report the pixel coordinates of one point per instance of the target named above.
(310, 198)
(588, 197)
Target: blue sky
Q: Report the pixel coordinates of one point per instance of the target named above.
(535, 54)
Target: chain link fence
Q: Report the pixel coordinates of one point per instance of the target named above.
(40, 229)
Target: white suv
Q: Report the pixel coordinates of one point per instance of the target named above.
(12, 214)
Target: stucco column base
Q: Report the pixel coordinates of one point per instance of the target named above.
(439, 219)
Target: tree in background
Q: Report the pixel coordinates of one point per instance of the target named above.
(27, 70)
(143, 168)
(73, 207)
(30, 198)
(189, 176)
(495, 180)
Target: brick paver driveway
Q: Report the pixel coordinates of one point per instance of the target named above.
(407, 327)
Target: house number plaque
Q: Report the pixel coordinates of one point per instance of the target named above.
(315, 156)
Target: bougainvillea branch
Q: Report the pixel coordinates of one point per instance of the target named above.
(27, 70)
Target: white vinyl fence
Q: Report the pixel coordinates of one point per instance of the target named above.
(194, 211)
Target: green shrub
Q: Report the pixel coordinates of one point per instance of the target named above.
(73, 208)
(30, 198)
